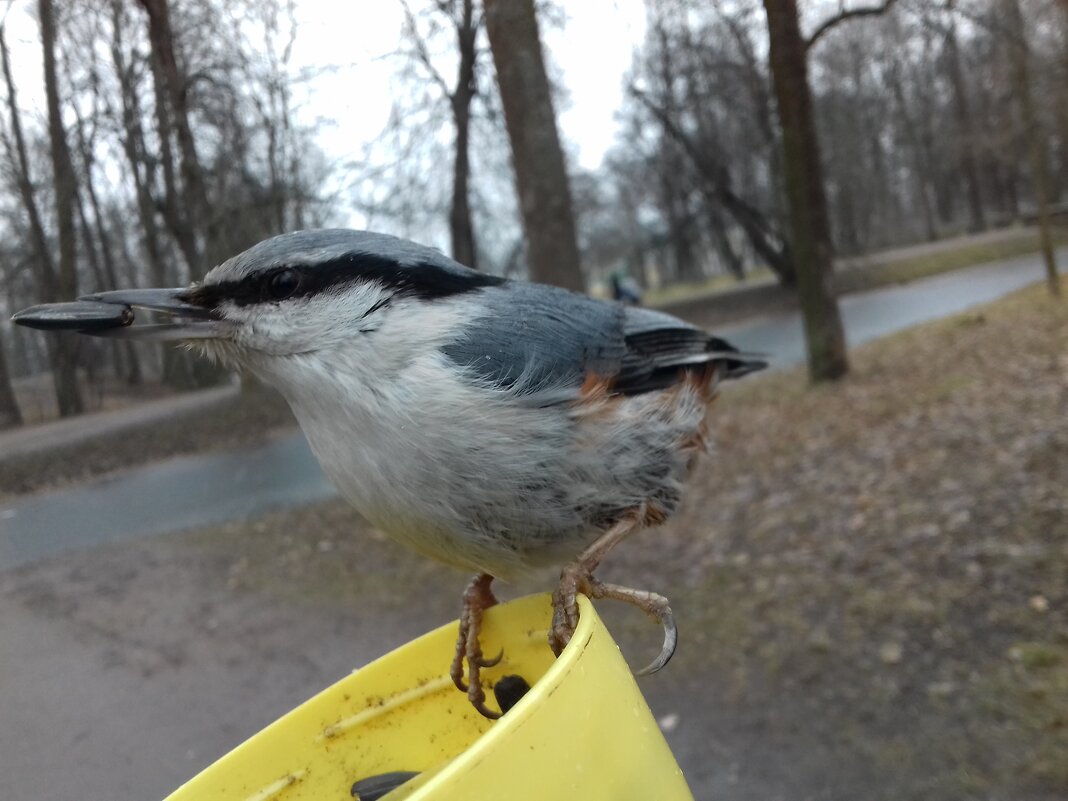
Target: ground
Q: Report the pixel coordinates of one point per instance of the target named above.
(870, 580)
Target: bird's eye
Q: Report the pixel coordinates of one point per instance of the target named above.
(283, 283)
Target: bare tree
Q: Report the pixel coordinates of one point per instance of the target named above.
(53, 285)
(98, 244)
(716, 184)
(809, 225)
(63, 180)
(199, 110)
(142, 167)
(189, 211)
(965, 125)
(1036, 148)
(715, 159)
(466, 22)
(540, 173)
(10, 415)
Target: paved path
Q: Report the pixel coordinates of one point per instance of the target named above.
(869, 315)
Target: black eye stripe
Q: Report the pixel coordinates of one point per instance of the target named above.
(426, 281)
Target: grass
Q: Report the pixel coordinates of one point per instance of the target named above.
(717, 285)
(900, 271)
(860, 278)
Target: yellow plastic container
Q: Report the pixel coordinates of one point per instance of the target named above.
(583, 731)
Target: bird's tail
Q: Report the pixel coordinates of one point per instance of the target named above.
(737, 363)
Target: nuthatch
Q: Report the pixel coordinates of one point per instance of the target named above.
(494, 425)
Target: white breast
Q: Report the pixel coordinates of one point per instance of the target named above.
(472, 476)
(429, 458)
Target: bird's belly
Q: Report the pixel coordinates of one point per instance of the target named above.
(506, 490)
(474, 499)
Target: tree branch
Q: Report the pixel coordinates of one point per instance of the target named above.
(421, 51)
(715, 179)
(833, 22)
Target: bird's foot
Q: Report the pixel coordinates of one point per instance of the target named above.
(576, 578)
(478, 597)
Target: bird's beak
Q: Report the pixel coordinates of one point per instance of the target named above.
(190, 320)
(110, 314)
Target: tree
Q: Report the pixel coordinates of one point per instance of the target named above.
(190, 213)
(963, 116)
(1036, 148)
(809, 225)
(466, 23)
(10, 415)
(713, 152)
(538, 160)
(195, 100)
(70, 399)
(52, 286)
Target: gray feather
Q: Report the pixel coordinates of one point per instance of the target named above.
(543, 342)
(321, 246)
(535, 338)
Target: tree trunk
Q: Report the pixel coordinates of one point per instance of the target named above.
(540, 173)
(920, 169)
(44, 270)
(728, 256)
(811, 236)
(1021, 78)
(965, 129)
(10, 416)
(460, 226)
(196, 226)
(61, 349)
(141, 171)
(179, 215)
(130, 361)
(195, 196)
(1062, 102)
(67, 392)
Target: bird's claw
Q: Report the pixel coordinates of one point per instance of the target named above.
(671, 641)
(565, 609)
(574, 579)
(478, 701)
(477, 598)
(488, 663)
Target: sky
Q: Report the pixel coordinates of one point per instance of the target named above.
(591, 51)
(350, 47)
(349, 44)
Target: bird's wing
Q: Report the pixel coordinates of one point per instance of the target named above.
(542, 343)
(659, 347)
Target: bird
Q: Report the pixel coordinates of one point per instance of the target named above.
(500, 426)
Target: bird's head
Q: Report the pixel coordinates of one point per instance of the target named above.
(305, 293)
